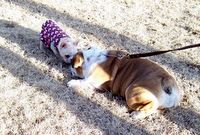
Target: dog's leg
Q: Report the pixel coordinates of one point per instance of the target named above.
(81, 83)
(141, 101)
(55, 50)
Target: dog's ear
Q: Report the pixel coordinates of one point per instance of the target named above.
(77, 60)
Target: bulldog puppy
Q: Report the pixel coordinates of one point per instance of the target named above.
(67, 47)
(145, 85)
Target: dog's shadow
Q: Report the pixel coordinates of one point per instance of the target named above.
(185, 118)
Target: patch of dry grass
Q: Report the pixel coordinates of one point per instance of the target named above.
(34, 98)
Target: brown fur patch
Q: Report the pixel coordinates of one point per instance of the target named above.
(77, 60)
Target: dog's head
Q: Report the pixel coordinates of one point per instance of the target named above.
(81, 62)
(67, 47)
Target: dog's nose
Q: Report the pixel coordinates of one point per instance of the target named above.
(67, 56)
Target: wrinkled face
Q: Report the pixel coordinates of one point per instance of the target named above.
(67, 48)
(82, 61)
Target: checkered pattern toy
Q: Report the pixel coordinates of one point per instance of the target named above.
(51, 33)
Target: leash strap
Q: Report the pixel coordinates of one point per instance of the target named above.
(161, 52)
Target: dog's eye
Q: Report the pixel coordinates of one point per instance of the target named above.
(89, 48)
(67, 56)
(63, 45)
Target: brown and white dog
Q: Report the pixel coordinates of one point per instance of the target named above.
(145, 85)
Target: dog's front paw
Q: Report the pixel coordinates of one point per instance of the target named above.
(73, 83)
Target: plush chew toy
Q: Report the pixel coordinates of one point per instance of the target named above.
(51, 34)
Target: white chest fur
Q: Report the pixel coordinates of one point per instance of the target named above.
(92, 58)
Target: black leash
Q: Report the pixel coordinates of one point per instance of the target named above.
(139, 55)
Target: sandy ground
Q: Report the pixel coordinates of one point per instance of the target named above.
(34, 98)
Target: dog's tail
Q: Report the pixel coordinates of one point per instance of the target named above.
(171, 94)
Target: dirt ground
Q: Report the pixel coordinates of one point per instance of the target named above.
(34, 98)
